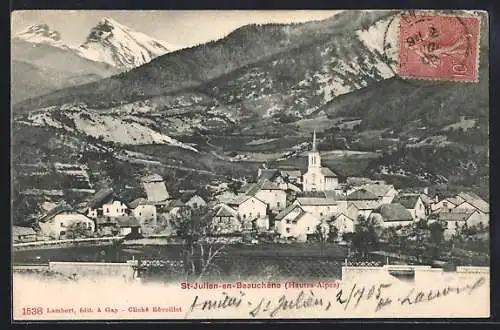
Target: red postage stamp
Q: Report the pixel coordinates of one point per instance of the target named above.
(439, 47)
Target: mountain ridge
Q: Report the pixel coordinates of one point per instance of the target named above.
(190, 67)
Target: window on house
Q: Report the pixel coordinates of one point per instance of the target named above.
(258, 214)
(62, 224)
(321, 214)
(195, 205)
(288, 221)
(250, 214)
(107, 210)
(308, 228)
(140, 213)
(445, 204)
(278, 204)
(244, 216)
(253, 202)
(288, 230)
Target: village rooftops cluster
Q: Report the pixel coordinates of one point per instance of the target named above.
(282, 201)
(294, 205)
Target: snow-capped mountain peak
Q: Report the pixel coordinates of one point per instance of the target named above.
(118, 45)
(41, 34)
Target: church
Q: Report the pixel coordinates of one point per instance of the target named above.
(317, 177)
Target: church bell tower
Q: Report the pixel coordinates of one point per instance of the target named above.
(314, 157)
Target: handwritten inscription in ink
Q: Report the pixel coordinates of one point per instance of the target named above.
(348, 298)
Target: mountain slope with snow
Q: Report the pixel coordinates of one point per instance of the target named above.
(116, 44)
(195, 66)
(41, 34)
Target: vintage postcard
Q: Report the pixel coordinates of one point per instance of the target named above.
(250, 164)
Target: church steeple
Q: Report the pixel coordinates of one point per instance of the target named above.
(314, 141)
(314, 158)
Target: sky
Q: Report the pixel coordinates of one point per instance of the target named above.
(179, 28)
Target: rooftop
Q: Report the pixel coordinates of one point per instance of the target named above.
(454, 216)
(136, 202)
(101, 197)
(286, 211)
(155, 190)
(328, 173)
(408, 200)
(394, 212)
(361, 194)
(291, 173)
(175, 203)
(225, 211)
(61, 207)
(365, 205)
(316, 201)
(265, 184)
(475, 201)
(378, 189)
(21, 231)
(152, 178)
(268, 173)
(240, 199)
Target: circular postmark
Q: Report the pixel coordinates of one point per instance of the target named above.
(427, 48)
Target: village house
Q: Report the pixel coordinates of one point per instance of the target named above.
(292, 176)
(225, 220)
(428, 203)
(472, 202)
(23, 234)
(414, 204)
(295, 222)
(107, 226)
(362, 208)
(344, 224)
(384, 192)
(252, 212)
(446, 204)
(272, 175)
(156, 191)
(194, 201)
(317, 177)
(128, 225)
(249, 207)
(455, 219)
(361, 202)
(391, 215)
(175, 207)
(63, 220)
(105, 204)
(321, 207)
(144, 211)
(270, 193)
